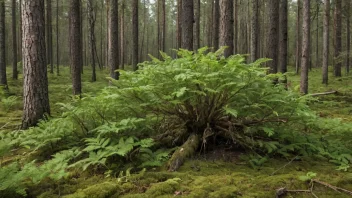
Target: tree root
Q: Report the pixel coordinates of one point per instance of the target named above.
(188, 149)
(283, 191)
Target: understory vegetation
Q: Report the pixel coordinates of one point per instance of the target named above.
(225, 120)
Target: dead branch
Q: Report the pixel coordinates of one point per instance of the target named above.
(324, 93)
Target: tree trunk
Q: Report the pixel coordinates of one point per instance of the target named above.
(326, 41)
(317, 35)
(283, 36)
(305, 47)
(179, 24)
(196, 45)
(35, 83)
(92, 46)
(216, 25)
(3, 78)
(236, 27)
(163, 33)
(348, 8)
(122, 35)
(49, 37)
(187, 24)
(113, 39)
(273, 35)
(255, 32)
(135, 34)
(75, 46)
(14, 41)
(226, 26)
(298, 37)
(338, 37)
(57, 39)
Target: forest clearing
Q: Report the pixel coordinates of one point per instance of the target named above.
(186, 98)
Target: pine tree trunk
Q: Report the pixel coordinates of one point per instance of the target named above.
(92, 47)
(226, 26)
(273, 35)
(338, 37)
(49, 36)
(113, 39)
(255, 32)
(3, 78)
(14, 41)
(163, 41)
(187, 24)
(216, 25)
(122, 34)
(75, 46)
(298, 37)
(283, 36)
(57, 39)
(326, 41)
(196, 45)
(179, 24)
(348, 10)
(35, 83)
(305, 47)
(135, 34)
(236, 27)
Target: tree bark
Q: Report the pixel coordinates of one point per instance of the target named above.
(326, 41)
(226, 26)
(305, 47)
(338, 37)
(75, 46)
(14, 41)
(179, 24)
(57, 40)
(35, 84)
(163, 32)
(49, 36)
(283, 36)
(348, 10)
(135, 34)
(3, 77)
(92, 44)
(298, 37)
(122, 35)
(255, 32)
(196, 45)
(273, 35)
(113, 39)
(236, 27)
(187, 24)
(216, 25)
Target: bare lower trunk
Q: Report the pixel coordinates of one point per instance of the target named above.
(326, 41)
(75, 46)
(113, 39)
(226, 26)
(305, 47)
(3, 77)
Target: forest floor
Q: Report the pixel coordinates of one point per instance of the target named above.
(216, 174)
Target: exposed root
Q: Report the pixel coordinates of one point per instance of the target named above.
(188, 149)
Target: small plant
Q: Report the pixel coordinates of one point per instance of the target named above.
(9, 103)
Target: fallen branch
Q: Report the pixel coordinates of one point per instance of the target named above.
(324, 93)
(337, 189)
(284, 165)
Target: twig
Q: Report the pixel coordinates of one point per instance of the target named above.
(337, 189)
(324, 93)
(284, 165)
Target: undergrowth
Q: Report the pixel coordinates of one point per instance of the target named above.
(180, 106)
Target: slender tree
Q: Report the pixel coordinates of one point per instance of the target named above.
(255, 32)
(187, 24)
(135, 34)
(196, 44)
(3, 77)
(75, 45)
(14, 41)
(298, 37)
(216, 24)
(113, 39)
(283, 36)
(236, 27)
(122, 35)
(92, 44)
(57, 39)
(338, 37)
(49, 36)
(226, 26)
(179, 23)
(273, 35)
(348, 15)
(35, 83)
(326, 41)
(305, 47)
(163, 32)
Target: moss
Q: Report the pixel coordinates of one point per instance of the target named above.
(102, 190)
(164, 188)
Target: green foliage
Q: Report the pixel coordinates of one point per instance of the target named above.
(309, 176)
(8, 103)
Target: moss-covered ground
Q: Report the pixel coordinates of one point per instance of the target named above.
(216, 174)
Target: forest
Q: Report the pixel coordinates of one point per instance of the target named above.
(175, 98)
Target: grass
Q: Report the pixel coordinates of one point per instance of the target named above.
(222, 177)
